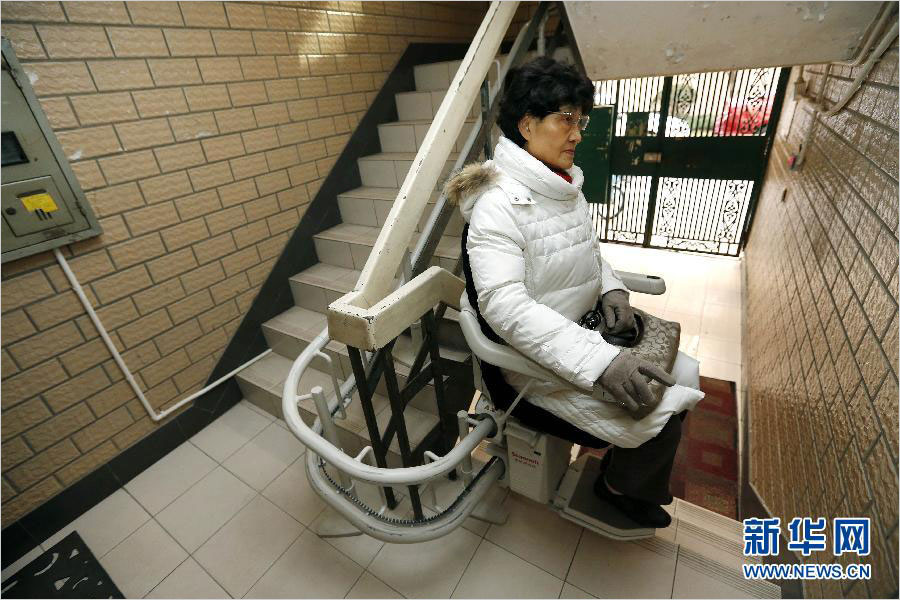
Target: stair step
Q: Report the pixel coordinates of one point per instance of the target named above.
(407, 136)
(293, 329)
(371, 205)
(438, 75)
(289, 333)
(348, 245)
(389, 169)
(715, 579)
(321, 284)
(418, 105)
(262, 385)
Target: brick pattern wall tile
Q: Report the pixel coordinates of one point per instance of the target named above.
(821, 277)
(200, 131)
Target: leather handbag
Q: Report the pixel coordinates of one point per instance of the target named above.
(653, 339)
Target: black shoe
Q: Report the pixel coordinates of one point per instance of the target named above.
(639, 511)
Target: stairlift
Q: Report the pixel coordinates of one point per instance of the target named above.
(538, 464)
(528, 462)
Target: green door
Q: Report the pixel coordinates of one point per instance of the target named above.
(592, 154)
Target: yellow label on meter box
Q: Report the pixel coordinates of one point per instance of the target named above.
(42, 201)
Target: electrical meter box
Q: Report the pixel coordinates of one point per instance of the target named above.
(43, 206)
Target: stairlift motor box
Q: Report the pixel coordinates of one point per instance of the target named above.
(537, 462)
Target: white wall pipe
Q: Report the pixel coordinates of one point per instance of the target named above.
(867, 68)
(155, 416)
(816, 105)
(871, 34)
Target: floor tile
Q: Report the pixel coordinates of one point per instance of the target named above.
(361, 549)
(170, 477)
(265, 457)
(229, 432)
(189, 580)
(261, 412)
(199, 512)
(143, 560)
(718, 369)
(606, 568)
(370, 586)
(721, 321)
(496, 573)
(309, 568)
(690, 324)
(244, 549)
(447, 491)
(537, 534)
(427, 570)
(106, 524)
(570, 591)
(726, 350)
(291, 492)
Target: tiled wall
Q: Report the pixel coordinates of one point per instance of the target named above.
(822, 320)
(199, 131)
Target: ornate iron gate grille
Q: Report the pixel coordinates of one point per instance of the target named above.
(687, 156)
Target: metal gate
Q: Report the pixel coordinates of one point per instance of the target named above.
(686, 157)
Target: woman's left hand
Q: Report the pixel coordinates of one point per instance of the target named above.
(617, 311)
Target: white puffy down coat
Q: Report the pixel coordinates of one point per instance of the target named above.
(537, 269)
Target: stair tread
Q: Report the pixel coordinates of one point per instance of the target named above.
(270, 372)
(369, 192)
(351, 233)
(305, 324)
(401, 156)
(332, 277)
(418, 122)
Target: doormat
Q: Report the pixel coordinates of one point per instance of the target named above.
(706, 465)
(67, 570)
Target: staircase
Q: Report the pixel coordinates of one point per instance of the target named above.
(342, 251)
(706, 542)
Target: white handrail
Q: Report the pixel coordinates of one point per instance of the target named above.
(369, 316)
(378, 272)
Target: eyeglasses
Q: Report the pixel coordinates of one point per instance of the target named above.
(572, 120)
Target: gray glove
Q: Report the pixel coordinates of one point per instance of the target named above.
(627, 379)
(617, 311)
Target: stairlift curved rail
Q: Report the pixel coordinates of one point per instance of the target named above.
(333, 455)
(405, 531)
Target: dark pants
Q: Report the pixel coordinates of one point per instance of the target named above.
(641, 472)
(644, 472)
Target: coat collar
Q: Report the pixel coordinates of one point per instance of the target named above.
(534, 175)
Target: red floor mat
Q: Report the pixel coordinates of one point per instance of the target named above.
(706, 466)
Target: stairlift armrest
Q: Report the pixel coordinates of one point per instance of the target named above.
(643, 284)
(497, 354)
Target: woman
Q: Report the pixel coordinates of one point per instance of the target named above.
(536, 268)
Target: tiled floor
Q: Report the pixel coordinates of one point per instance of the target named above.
(231, 514)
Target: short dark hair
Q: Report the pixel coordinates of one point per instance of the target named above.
(539, 87)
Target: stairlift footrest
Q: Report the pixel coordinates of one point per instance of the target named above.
(577, 502)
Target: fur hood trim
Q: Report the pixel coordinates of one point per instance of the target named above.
(464, 187)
